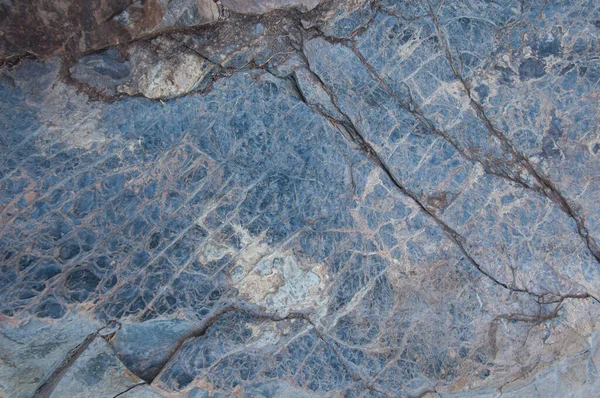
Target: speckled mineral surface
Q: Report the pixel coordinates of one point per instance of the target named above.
(299, 198)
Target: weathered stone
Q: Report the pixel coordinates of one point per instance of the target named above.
(337, 198)
(181, 72)
(146, 347)
(342, 19)
(45, 28)
(96, 373)
(34, 349)
(264, 6)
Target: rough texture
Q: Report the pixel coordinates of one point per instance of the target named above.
(33, 349)
(96, 373)
(263, 6)
(300, 198)
(47, 27)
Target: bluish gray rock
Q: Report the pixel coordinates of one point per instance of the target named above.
(311, 199)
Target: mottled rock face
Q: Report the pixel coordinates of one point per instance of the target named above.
(44, 28)
(299, 198)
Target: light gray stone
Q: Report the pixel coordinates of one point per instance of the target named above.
(34, 348)
(96, 373)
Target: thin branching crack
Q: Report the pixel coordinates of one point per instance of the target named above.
(255, 311)
(411, 106)
(351, 132)
(547, 187)
(47, 385)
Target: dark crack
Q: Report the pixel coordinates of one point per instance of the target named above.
(253, 310)
(202, 327)
(540, 317)
(549, 305)
(47, 385)
(141, 383)
(272, 18)
(411, 106)
(351, 132)
(547, 187)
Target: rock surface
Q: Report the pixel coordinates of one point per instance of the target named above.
(300, 198)
(44, 28)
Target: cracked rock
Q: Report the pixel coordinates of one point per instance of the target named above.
(97, 372)
(299, 198)
(45, 28)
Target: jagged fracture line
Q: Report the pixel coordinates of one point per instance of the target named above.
(141, 383)
(412, 107)
(548, 188)
(47, 385)
(453, 235)
(348, 130)
(253, 310)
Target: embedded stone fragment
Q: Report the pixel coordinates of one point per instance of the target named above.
(144, 348)
(176, 70)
